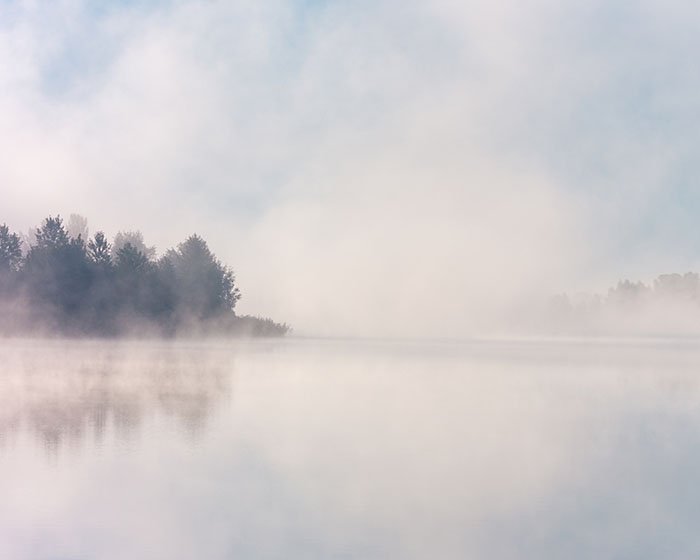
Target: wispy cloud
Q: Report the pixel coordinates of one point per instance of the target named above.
(375, 167)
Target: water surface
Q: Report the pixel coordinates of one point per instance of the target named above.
(347, 449)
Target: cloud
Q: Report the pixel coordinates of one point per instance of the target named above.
(372, 168)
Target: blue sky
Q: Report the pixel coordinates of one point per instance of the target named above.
(482, 154)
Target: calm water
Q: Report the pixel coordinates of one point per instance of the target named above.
(317, 449)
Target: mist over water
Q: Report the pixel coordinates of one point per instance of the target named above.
(348, 449)
(432, 179)
(368, 169)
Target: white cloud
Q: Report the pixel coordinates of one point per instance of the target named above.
(376, 168)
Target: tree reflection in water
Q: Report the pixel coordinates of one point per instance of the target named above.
(69, 393)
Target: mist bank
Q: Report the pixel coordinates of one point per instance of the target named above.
(667, 306)
(57, 280)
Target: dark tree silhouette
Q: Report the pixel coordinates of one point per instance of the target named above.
(134, 238)
(10, 250)
(100, 289)
(99, 250)
(51, 234)
(205, 288)
(56, 272)
(131, 261)
(10, 260)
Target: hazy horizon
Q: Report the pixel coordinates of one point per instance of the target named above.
(371, 168)
(479, 220)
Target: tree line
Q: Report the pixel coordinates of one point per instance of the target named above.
(58, 279)
(668, 304)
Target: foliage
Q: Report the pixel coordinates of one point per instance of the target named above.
(77, 226)
(99, 250)
(668, 305)
(134, 238)
(10, 250)
(204, 286)
(69, 284)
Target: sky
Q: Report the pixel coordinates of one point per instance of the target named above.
(383, 168)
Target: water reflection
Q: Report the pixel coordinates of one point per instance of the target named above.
(360, 450)
(66, 392)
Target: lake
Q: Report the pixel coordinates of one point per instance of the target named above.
(325, 449)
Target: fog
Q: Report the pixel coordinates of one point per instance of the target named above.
(375, 168)
(308, 449)
(479, 220)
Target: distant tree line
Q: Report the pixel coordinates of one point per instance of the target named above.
(671, 302)
(58, 279)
